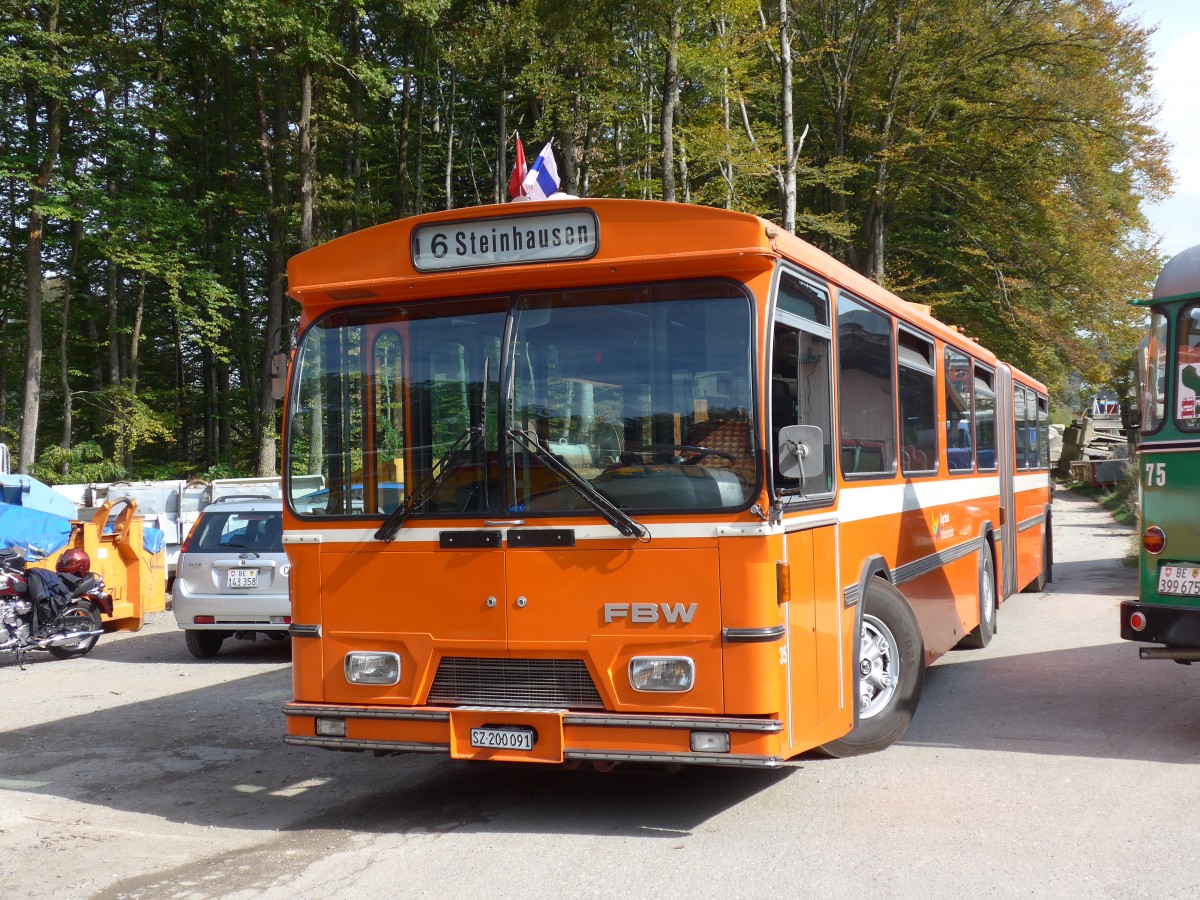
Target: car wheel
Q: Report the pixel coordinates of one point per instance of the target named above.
(891, 672)
(203, 644)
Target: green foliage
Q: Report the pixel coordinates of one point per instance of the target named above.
(130, 422)
(83, 463)
(986, 158)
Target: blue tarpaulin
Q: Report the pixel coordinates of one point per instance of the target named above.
(26, 491)
(36, 533)
(152, 539)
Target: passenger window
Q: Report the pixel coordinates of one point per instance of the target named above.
(985, 419)
(1043, 434)
(960, 441)
(1022, 435)
(866, 395)
(917, 380)
(1031, 450)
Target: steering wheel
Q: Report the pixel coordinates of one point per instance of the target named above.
(700, 452)
(609, 442)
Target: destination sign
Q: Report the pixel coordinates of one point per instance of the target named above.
(505, 241)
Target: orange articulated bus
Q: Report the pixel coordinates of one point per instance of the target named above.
(607, 480)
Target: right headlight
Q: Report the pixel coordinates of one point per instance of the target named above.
(662, 673)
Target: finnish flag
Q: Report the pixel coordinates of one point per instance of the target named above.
(542, 178)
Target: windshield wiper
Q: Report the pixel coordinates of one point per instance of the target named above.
(448, 462)
(613, 514)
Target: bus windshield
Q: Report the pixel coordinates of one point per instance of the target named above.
(643, 391)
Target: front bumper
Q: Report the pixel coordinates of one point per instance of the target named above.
(562, 735)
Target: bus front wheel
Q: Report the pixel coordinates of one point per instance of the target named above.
(890, 672)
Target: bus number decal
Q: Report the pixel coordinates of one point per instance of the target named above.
(1156, 474)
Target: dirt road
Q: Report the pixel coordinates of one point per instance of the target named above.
(1053, 763)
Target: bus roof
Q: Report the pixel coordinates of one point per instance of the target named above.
(1179, 279)
(639, 238)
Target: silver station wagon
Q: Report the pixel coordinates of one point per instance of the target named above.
(232, 575)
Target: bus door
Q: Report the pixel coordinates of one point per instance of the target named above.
(801, 393)
(1006, 450)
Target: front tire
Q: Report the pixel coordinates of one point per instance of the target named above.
(891, 672)
(203, 644)
(981, 636)
(78, 616)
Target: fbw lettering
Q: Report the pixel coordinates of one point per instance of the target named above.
(648, 613)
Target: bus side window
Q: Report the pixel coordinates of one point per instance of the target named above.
(1043, 430)
(917, 381)
(1020, 432)
(866, 390)
(985, 419)
(959, 401)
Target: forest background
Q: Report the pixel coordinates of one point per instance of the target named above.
(160, 161)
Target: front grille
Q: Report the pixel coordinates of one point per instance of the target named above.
(557, 683)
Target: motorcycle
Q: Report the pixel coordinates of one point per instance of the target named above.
(58, 612)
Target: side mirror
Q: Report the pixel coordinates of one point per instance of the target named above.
(800, 451)
(278, 375)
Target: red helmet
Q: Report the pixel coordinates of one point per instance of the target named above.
(74, 562)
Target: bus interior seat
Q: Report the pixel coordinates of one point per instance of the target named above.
(959, 458)
(862, 456)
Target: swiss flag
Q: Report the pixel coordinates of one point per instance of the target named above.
(518, 172)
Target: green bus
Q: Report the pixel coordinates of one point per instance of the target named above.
(1167, 611)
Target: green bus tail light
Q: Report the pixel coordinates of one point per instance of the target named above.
(1154, 539)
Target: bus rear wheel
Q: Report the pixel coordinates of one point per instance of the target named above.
(1039, 584)
(981, 636)
(891, 672)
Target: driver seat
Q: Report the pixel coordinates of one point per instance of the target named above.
(730, 436)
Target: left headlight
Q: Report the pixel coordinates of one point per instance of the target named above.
(372, 668)
(662, 673)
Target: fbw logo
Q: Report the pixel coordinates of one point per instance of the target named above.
(648, 613)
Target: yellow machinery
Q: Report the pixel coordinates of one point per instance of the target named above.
(134, 577)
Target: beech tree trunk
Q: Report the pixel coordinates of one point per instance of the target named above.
(32, 399)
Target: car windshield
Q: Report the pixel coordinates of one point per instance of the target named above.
(230, 530)
(644, 391)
